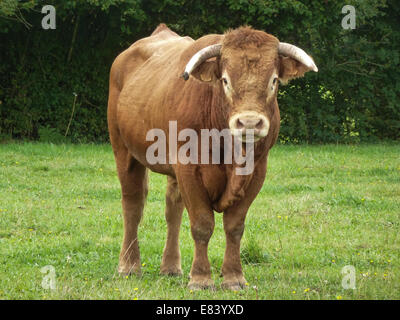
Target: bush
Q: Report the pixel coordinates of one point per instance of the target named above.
(354, 97)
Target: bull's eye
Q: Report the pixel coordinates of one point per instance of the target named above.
(274, 81)
(224, 81)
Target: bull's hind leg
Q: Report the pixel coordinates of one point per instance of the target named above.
(133, 178)
(171, 261)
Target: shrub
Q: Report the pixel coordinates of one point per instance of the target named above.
(354, 97)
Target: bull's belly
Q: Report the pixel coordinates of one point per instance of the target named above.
(137, 147)
(133, 133)
(213, 177)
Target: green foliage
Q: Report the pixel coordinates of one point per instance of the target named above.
(354, 97)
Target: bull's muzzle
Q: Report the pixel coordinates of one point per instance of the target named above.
(250, 124)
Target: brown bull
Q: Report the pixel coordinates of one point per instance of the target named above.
(233, 84)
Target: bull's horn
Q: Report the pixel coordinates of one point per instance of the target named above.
(294, 52)
(201, 56)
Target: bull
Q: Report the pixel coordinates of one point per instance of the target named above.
(227, 81)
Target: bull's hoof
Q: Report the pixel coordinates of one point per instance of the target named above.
(234, 284)
(125, 270)
(171, 271)
(201, 285)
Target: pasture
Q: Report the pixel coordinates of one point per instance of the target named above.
(321, 208)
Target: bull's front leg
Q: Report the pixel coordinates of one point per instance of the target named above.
(231, 267)
(234, 220)
(202, 223)
(202, 227)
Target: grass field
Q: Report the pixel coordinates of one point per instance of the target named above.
(321, 208)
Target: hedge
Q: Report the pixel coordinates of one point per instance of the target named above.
(54, 83)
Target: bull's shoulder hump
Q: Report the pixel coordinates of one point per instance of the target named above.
(130, 60)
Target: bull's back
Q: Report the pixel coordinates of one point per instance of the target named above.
(139, 77)
(129, 61)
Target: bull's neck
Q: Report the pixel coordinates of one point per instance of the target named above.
(201, 106)
(217, 108)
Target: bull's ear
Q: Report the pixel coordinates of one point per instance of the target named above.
(290, 69)
(206, 72)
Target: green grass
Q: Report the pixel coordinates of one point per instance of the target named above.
(321, 208)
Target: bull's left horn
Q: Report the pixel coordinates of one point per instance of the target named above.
(298, 54)
(201, 56)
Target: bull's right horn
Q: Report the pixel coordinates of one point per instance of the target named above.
(201, 56)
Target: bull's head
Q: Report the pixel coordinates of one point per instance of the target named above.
(249, 65)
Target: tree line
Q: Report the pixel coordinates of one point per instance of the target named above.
(54, 81)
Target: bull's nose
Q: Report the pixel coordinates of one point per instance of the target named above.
(249, 120)
(250, 123)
